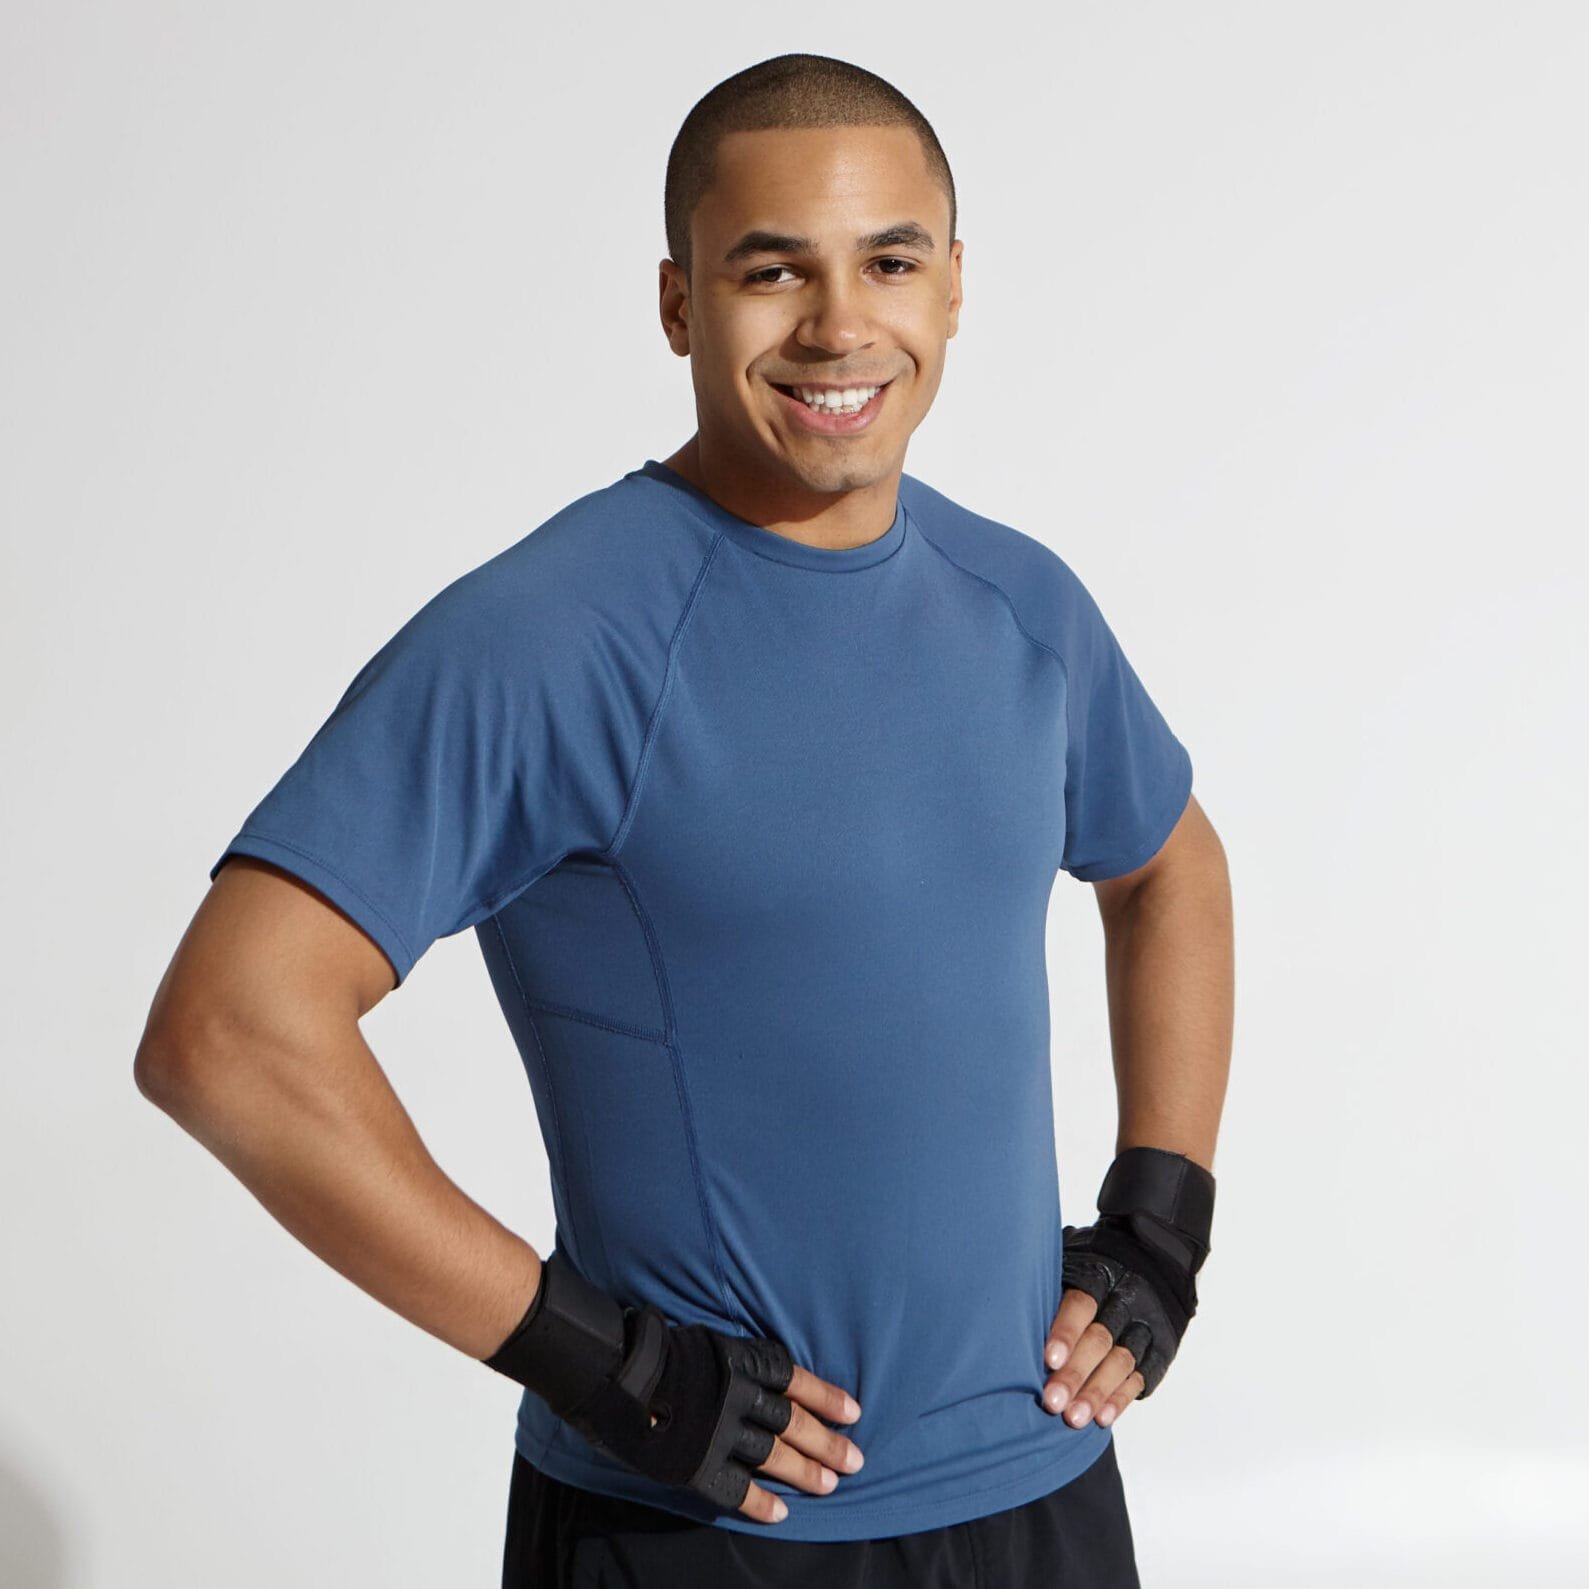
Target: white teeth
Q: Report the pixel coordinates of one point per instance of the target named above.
(847, 401)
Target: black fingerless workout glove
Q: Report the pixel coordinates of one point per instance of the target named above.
(608, 1370)
(1138, 1262)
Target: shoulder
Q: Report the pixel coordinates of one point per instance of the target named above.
(1048, 598)
(612, 569)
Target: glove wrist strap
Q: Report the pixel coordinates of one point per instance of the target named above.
(569, 1343)
(1168, 1185)
(1172, 1189)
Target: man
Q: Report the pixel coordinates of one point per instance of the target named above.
(752, 772)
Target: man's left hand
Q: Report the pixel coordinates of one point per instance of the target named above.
(1089, 1374)
(1129, 1285)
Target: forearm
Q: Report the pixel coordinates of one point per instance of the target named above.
(1170, 967)
(324, 1143)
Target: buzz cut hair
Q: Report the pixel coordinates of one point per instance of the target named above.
(784, 91)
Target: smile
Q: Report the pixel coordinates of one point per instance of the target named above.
(832, 410)
(834, 399)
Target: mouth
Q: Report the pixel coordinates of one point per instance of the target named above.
(832, 410)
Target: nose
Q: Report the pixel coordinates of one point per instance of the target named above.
(834, 321)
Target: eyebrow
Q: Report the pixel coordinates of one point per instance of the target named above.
(903, 234)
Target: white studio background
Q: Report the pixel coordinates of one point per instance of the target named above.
(1274, 329)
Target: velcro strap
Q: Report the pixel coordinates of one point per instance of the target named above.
(569, 1343)
(1167, 1185)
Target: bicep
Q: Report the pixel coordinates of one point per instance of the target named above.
(1188, 840)
(268, 962)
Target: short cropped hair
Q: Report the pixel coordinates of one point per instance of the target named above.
(785, 91)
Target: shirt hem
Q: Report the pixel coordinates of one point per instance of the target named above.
(1175, 808)
(325, 879)
(809, 1522)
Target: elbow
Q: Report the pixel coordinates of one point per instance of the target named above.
(159, 1069)
(177, 1053)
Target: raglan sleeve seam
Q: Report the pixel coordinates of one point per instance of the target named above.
(665, 689)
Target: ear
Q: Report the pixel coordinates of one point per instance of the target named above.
(675, 306)
(955, 251)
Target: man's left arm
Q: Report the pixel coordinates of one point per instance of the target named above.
(1170, 966)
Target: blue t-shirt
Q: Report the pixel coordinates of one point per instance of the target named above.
(758, 839)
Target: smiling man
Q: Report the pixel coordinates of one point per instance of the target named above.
(814, 353)
(753, 771)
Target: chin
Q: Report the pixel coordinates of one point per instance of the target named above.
(840, 474)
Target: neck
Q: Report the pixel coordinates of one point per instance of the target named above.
(834, 520)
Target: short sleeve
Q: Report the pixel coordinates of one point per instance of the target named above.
(467, 757)
(1127, 777)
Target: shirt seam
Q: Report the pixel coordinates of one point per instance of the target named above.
(696, 512)
(331, 871)
(653, 726)
(1015, 616)
(1148, 847)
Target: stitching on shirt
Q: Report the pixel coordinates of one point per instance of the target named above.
(669, 673)
(1042, 645)
(569, 1012)
(352, 887)
(714, 1241)
(540, 1050)
(695, 511)
(491, 906)
(1064, 666)
(1147, 847)
(1131, 859)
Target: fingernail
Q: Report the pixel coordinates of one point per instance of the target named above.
(1080, 1413)
(851, 1411)
(1057, 1353)
(1106, 1417)
(853, 1460)
(779, 1511)
(829, 1479)
(1054, 1398)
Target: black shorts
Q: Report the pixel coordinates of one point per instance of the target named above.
(561, 1537)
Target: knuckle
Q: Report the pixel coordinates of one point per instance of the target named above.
(800, 1423)
(817, 1477)
(777, 1462)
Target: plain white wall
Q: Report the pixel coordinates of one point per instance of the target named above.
(1274, 328)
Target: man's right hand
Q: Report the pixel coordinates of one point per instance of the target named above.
(807, 1454)
(683, 1404)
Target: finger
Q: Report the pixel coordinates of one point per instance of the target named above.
(1092, 1346)
(1076, 1311)
(1101, 1384)
(1125, 1393)
(808, 1434)
(826, 1400)
(792, 1467)
(763, 1506)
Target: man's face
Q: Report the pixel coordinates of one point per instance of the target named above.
(821, 262)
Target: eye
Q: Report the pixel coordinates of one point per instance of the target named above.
(909, 266)
(759, 277)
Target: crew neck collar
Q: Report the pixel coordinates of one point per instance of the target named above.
(782, 548)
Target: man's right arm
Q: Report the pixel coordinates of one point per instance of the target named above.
(253, 1046)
